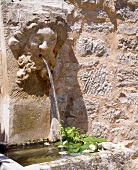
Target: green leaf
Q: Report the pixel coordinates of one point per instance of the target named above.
(57, 143)
(77, 145)
(99, 140)
(83, 147)
(75, 150)
(83, 136)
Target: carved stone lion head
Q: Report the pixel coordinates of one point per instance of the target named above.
(38, 40)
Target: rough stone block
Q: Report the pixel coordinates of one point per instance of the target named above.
(105, 27)
(128, 97)
(100, 129)
(130, 59)
(127, 29)
(127, 77)
(129, 43)
(92, 108)
(88, 46)
(96, 81)
(113, 115)
(131, 134)
(127, 13)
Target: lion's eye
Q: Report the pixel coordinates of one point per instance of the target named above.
(52, 39)
(36, 39)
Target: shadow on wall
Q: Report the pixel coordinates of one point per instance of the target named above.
(70, 100)
(3, 140)
(3, 137)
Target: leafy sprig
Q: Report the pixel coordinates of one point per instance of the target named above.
(73, 142)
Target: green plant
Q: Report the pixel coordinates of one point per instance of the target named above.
(73, 142)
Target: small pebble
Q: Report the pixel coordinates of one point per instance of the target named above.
(46, 144)
(63, 153)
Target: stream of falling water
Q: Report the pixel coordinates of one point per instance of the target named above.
(55, 99)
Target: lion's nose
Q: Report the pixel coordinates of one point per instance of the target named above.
(43, 46)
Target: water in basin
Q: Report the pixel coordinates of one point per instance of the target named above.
(27, 155)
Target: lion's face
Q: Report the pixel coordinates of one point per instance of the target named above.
(43, 42)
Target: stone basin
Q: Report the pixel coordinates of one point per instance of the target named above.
(119, 159)
(32, 154)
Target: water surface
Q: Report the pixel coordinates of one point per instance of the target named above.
(29, 155)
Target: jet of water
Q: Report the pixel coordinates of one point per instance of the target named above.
(55, 98)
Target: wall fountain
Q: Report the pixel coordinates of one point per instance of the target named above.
(92, 74)
(34, 35)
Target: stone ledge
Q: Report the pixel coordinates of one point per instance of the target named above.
(53, 3)
(104, 160)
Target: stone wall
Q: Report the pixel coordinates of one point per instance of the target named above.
(97, 79)
(97, 75)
